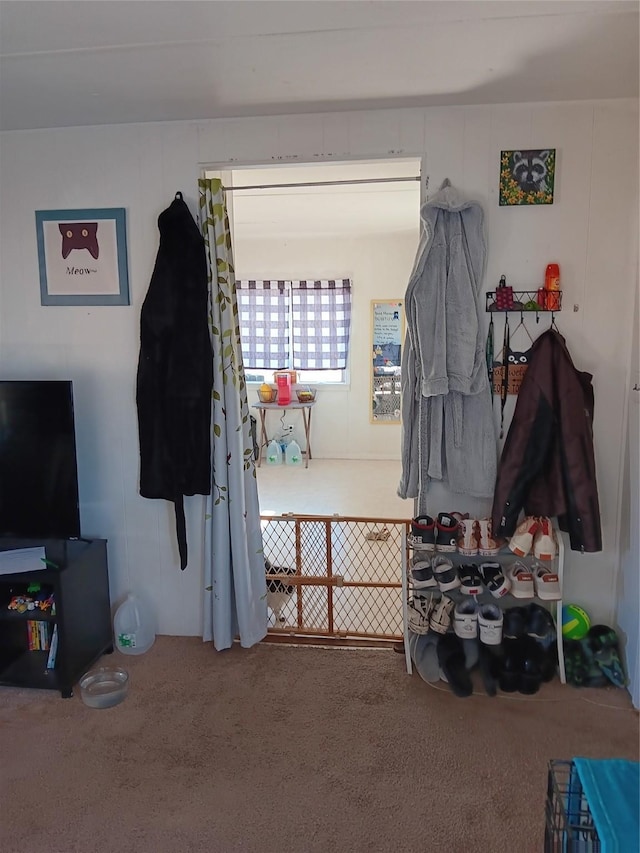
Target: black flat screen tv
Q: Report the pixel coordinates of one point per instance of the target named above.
(38, 467)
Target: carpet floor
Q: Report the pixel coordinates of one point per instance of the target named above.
(294, 750)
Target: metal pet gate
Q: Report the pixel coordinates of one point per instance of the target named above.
(337, 579)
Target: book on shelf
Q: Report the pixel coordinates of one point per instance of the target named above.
(43, 628)
(53, 649)
(38, 635)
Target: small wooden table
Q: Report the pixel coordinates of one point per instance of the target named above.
(263, 408)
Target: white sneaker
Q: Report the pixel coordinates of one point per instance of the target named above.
(547, 583)
(490, 621)
(487, 545)
(468, 541)
(544, 541)
(465, 619)
(522, 540)
(521, 580)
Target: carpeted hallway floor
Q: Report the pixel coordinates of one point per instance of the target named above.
(290, 750)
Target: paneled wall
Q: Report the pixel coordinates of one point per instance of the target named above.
(590, 230)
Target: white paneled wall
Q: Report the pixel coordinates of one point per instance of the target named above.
(589, 230)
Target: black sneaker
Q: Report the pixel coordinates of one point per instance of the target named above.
(540, 624)
(515, 623)
(470, 579)
(422, 572)
(494, 580)
(423, 533)
(531, 669)
(447, 528)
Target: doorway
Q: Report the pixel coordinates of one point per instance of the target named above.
(339, 221)
(356, 221)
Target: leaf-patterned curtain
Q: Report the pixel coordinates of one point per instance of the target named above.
(234, 575)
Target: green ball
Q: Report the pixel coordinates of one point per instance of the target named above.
(575, 622)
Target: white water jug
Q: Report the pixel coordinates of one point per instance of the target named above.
(293, 454)
(274, 453)
(133, 627)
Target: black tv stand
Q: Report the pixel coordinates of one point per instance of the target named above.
(76, 573)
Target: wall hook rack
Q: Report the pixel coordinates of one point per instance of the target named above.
(539, 301)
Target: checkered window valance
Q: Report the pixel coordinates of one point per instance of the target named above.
(303, 324)
(263, 315)
(321, 323)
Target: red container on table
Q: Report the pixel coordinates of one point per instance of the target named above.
(552, 287)
(283, 381)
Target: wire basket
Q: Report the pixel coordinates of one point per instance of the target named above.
(267, 396)
(569, 824)
(305, 395)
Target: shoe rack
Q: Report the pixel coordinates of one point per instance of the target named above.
(506, 558)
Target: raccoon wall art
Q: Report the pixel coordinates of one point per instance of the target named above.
(527, 176)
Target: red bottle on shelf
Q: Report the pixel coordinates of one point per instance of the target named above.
(552, 287)
(284, 388)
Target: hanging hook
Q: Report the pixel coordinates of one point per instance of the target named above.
(553, 322)
(537, 316)
(178, 196)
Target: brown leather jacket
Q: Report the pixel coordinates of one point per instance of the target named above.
(547, 465)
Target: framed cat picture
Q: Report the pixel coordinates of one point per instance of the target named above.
(82, 255)
(527, 176)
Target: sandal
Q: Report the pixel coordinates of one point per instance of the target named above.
(603, 643)
(593, 675)
(419, 609)
(440, 616)
(379, 535)
(576, 664)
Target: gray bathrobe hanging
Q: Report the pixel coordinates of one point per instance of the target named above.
(448, 429)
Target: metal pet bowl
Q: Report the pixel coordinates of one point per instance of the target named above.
(104, 686)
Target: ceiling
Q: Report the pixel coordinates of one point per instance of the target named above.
(80, 63)
(338, 210)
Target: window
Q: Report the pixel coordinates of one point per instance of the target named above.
(299, 324)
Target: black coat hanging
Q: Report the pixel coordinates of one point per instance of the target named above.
(175, 369)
